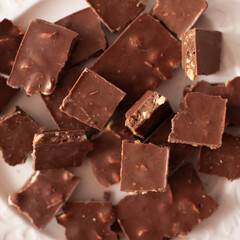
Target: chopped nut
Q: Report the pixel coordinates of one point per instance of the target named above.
(191, 74)
(142, 232)
(146, 114)
(160, 100)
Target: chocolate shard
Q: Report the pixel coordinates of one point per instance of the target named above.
(91, 40)
(41, 57)
(88, 221)
(200, 121)
(43, 195)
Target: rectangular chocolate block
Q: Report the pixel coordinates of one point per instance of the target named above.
(201, 52)
(41, 57)
(59, 149)
(92, 100)
(147, 113)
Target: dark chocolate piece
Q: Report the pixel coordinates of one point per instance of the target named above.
(88, 221)
(116, 14)
(92, 100)
(200, 121)
(91, 40)
(178, 15)
(17, 130)
(43, 195)
(144, 167)
(59, 149)
(197, 46)
(8, 30)
(41, 57)
(143, 55)
(147, 113)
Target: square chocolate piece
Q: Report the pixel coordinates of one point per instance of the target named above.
(144, 167)
(59, 149)
(201, 52)
(179, 15)
(43, 195)
(92, 100)
(147, 113)
(116, 14)
(41, 57)
(200, 121)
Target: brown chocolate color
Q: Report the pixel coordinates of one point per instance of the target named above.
(59, 149)
(41, 57)
(200, 121)
(43, 195)
(92, 100)
(144, 167)
(178, 15)
(88, 221)
(116, 14)
(17, 130)
(197, 46)
(143, 55)
(91, 40)
(147, 113)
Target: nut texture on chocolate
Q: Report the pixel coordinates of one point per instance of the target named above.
(88, 221)
(116, 14)
(41, 57)
(200, 121)
(43, 195)
(91, 38)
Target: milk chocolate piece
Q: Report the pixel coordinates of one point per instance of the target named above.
(200, 121)
(178, 152)
(41, 57)
(144, 167)
(43, 195)
(92, 100)
(147, 113)
(116, 14)
(91, 40)
(88, 221)
(17, 130)
(59, 149)
(179, 16)
(143, 55)
(197, 46)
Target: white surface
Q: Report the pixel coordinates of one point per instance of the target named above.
(223, 225)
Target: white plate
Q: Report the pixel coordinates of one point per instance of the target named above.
(221, 15)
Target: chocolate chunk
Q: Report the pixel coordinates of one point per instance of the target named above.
(43, 195)
(147, 113)
(179, 16)
(143, 55)
(178, 152)
(41, 57)
(197, 46)
(92, 100)
(116, 14)
(8, 30)
(91, 38)
(59, 149)
(17, 130)
(200, 121)
(88, 221)
(144, 167)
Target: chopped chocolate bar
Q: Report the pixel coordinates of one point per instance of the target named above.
(59, 149)
(41, 57)
(116, 14)
(17, 130)
(92, 100)
(91, 40)
(178, 15)
(144, 167)
(143, 55)
(88, 221)
(197, 46)
(200, 121)
(147, 113)
(43, 195)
